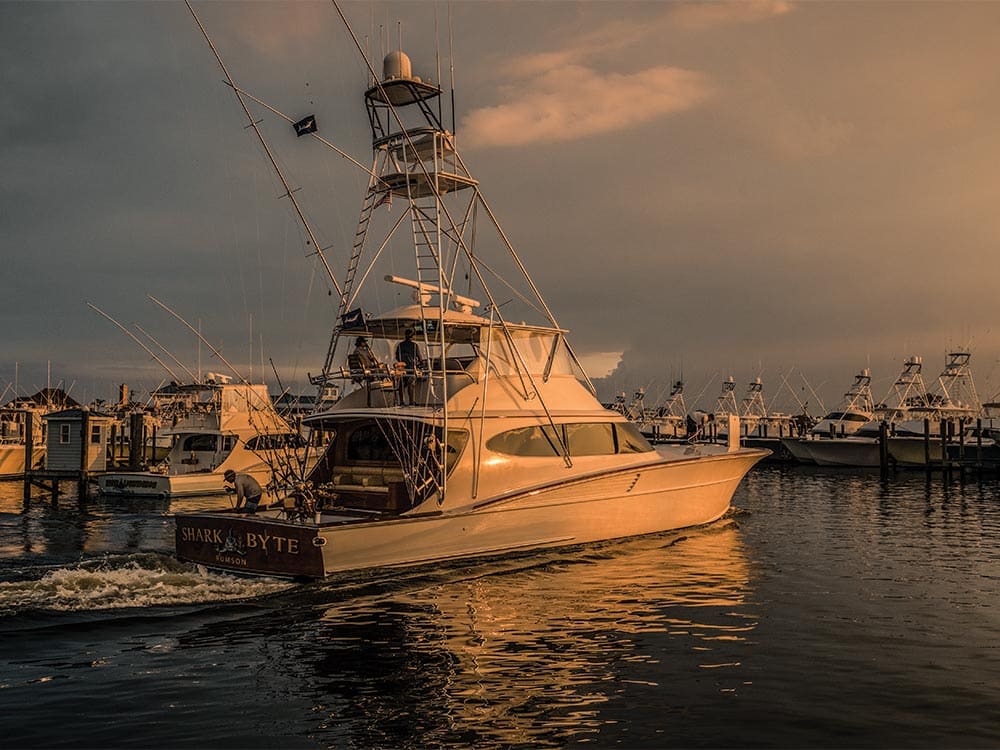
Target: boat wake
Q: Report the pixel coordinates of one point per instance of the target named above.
(131, 581)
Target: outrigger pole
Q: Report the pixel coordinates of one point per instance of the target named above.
(263, 142)
(135, 338)
(291, 121)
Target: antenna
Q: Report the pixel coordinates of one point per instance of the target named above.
(132, 336)
(437, 58)
(451, 65)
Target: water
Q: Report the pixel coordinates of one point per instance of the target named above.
(827, 610)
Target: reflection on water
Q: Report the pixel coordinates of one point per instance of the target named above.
(65, 529)
(830, 609)
(526, 651)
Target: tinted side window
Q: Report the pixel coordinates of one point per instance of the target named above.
(199, 443)
(630, 440)
(592, 439)
(525, 441)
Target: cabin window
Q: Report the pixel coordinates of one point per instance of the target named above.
(456, 444)
(630, 440)
(593, 439)
(199, 443)
(526, 441)
(95, 434)
(64, 434)
(368, 443)
(583, 439)
(275, 442)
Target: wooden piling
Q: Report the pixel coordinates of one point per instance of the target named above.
(883, 449)
(81, 484)
(927, 443)
(979, 444)
(29, 451)
(136, 445)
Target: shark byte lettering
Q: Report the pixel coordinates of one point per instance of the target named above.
(253, 540)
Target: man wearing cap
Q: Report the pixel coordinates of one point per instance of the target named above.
(247, 490)
(408, 353)
(366, 358)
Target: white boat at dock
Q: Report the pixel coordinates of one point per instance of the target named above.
(759, 426)
(861, 449)
(668, 421)
(214, 426)
(20, 416)
(855, 410)
(952, 407)
(491, 440)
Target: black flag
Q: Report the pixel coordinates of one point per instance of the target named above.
(353, 318)
(306, 125)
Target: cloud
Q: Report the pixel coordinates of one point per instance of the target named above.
(610, 37)
(704, 15)
(280, 29)
(561, 95)
(574, 101)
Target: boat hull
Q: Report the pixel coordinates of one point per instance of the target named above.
(668, 495)
(860, 452)
(149, 484)
(909, 451)
(12, 460)
(798, 448)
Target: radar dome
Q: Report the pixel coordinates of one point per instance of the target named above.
(396, 65)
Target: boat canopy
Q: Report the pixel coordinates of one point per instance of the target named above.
(541, 349)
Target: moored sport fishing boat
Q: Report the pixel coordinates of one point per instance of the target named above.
(214, 426)
(467, 433)
(951, 407)
(855, 410)
(861, 448)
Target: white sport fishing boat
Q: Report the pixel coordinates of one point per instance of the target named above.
(14, 424)
(861, 449)
(855, 410)
(669, 420)
(953, 406)
(23, 416)
(214, 426)
(492, 439)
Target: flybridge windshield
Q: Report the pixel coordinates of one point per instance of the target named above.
(541, 353)
(538, 352)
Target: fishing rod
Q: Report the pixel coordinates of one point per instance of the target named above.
(135, 338)
(201, 338)
(180, 364)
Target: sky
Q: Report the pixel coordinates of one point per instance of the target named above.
(783, 190)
